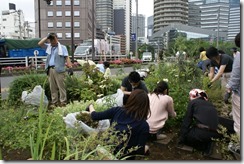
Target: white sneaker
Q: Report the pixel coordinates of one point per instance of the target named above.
(161, 136)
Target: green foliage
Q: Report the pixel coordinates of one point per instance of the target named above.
(25, 83)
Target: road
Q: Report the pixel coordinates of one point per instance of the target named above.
(5, 81)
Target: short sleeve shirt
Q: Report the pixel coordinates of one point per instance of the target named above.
(224, 60)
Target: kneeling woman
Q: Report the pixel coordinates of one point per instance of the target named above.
(131, 118)
(200, 122)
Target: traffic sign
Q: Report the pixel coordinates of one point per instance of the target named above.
(133, 36)
(36, 52)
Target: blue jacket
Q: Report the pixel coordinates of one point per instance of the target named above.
(139, 129)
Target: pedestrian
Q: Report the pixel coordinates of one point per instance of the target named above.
(131, 119)
(234, 87)
(57, 55)
(130, 83)
(200, 122)
(107, 72)
(205, 62)
(224, 64)
(162, 106)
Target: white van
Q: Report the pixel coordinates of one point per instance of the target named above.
(146, 57)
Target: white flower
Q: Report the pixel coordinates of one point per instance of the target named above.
(176, 75)
(189, 81)
(166, 80)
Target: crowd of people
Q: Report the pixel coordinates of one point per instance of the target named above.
(144, 114)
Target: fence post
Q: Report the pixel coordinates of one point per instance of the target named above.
(26, 61)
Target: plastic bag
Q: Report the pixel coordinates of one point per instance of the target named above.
(34, 97)
(71, 122)
(117, 97)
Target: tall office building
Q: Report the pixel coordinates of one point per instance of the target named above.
(57, 18)
(149, 26)
(194, 14)
(234, 19)
(168, 12)
(141, 25)
(104, 14)
(215, 15)
(123, 7)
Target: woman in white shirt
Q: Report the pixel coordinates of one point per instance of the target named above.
(161, 106)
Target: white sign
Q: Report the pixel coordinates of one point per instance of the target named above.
(36, 52)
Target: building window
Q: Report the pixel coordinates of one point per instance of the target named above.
(58, 3)
(50, 24)
(59, 24)
(67, 24)
(67, 3)
(77, 13)
(58, 13)
(77, 35)
(76, 2)
(60, 35)
(68, 35)
(4, 19)
(50, 13)
(67, 13)
(76, 24)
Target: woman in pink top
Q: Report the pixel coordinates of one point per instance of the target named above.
(162, 106)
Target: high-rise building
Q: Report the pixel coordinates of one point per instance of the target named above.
(168, 12)
(141, 25)
(214, 15)
(104, 14)
(234, 19)
(57, 18)
(149, 26)
(124, 8)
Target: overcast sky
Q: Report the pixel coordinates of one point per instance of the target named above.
(145, 7)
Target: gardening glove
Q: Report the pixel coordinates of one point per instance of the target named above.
(210, 85)
(70, 71)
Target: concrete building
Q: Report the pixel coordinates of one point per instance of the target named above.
(190, 32)
(12, 25)
(104, 14)
(149, 26)
(167, 12)
(57, 17)
(141, 25)
(234, 26)
(122, 20)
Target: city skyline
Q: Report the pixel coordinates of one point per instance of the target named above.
(27, 6)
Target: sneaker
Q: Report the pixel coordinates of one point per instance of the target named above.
(234, 148)
(161, 136)
(62, 104)
(52, 106)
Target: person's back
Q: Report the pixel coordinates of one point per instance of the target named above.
(131, 120)
(161, 106)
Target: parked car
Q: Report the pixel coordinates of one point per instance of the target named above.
(146, 57)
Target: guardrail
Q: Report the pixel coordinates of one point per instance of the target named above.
(23, 61)
(38, 60)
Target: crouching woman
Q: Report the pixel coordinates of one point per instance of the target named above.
(200, 122)
(131, 119)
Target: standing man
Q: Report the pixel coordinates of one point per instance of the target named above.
(57, 55)
(234, 87)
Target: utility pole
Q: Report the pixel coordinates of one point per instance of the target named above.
(93, 28)
(39, 19)
(136, 52)
(72, 31)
